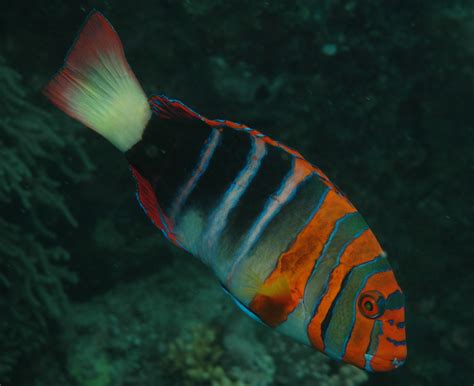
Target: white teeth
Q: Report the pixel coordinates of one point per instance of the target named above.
(396, 363)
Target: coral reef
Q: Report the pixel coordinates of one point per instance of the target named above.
(194, 358)
(247, 358)
(32, 264)
(137, 334)
(297, 364)
(124, 336)
(378, 94)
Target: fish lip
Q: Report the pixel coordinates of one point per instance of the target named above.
(397, 363)
(382, 364)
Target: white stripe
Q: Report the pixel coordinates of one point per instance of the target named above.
(272, 207)
(218, 219)
(204, 158)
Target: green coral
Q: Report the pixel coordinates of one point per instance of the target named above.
(299, 365)
(32, 264)
(98, 373)
(379, 94)
(246, 356)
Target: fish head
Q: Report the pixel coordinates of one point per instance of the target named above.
(384, 308)
(372, 319)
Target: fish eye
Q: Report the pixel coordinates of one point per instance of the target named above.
(372, 304)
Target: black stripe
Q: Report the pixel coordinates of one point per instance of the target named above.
(228, 160)
(168, 153)
(275, 166)
(397, 342)
(282, 231)
(327, 319)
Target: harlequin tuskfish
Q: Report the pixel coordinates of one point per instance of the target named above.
(285, 243)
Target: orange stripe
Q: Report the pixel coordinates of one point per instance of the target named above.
(296, 264)
(386, 349)
(359, 341)
(357, 346)
(360, 337)
(364, 248)
(392, 330)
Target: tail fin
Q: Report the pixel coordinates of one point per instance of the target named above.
(97, 87)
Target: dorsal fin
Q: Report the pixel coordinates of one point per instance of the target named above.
(167, 108)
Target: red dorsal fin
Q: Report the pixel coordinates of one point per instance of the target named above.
(167, 108)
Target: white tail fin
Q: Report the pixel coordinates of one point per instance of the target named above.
(97, 87)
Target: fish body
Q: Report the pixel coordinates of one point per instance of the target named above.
(284, 242)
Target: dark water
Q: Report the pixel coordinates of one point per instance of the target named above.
(380, 95)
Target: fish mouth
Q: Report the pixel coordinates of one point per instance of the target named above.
(376, 363)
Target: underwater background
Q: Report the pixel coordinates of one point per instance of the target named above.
(378, 94)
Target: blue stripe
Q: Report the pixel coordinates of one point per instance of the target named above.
(318, 206)
(354, 309)
(324, 254)
(373, 344)
(137, 195)
(397, 342)
(338, 240)
(383, 268)
(218, 219)
(336, 262)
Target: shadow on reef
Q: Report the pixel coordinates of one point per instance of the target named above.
(378, 94)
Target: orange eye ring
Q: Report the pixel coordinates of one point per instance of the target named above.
(372, 304)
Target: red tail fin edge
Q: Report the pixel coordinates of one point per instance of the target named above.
(96, 38)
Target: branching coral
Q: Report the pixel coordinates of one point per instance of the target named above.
(300, 365)
(32, 271)
(247, 358)
(195, 359)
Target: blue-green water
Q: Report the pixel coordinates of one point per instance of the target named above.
(378, 94)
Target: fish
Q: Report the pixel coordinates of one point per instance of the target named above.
(284, 242)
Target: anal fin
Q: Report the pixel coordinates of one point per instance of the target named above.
(147, 199)
(243, 307)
